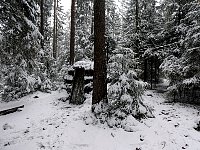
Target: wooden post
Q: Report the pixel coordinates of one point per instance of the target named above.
(77, 95)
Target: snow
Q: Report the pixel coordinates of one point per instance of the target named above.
(87, 65)
(193, 80)
(47, 123)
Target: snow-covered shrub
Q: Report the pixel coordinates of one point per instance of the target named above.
(184, 78)
(124, 91)
(19, 82)
(172, 68)
(182, 65)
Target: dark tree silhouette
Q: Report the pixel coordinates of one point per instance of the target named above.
(55, 31)
(72, 34)
(100, 74)
(42, 22)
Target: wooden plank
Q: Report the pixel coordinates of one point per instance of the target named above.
(11, 110)
(89, 72)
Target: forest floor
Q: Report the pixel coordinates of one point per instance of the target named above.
(47, 123)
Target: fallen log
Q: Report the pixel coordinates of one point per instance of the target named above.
(11, 110)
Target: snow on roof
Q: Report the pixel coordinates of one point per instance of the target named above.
(87, 65)
(193, 80)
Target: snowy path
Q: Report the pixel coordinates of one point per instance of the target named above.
(46, 123)
(173, 125)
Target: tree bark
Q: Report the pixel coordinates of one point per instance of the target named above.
(72, 33)
(137, 15)
(151, 73)
(100, 74)
(56, 51)
(77, 95)
(55, 31)
(42, 22)
(137, 25)
(155, 71)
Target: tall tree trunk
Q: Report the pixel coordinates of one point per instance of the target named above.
(155, 71)
(137, 25)
(57, 50)
(137, 15)
(55, 31)
(42, 22)
(100, 74)
(72, 34)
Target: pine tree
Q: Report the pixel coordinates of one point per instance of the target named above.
(84, 45)
(20, 47)
(23, 25)
(141, 26)
(181, 65)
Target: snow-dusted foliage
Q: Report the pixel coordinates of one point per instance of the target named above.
(84, 27)
(23, 60)
(124, 91)
(172, 68)
(19, 82)
(181, 65)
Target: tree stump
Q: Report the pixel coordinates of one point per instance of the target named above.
(77, 94)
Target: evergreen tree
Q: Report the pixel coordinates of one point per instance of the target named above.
(20, 46)
(141, 26)
(182, 65)
(18, 21)
(84, 44)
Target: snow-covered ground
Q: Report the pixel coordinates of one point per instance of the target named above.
(46, 123)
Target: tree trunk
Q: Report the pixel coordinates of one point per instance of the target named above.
(77, 95)
(137, 15)
(151, 73)
(57, 52)
(55, 31)
(155, 71)
(100, 74)
(137, 26)
(72, 34)
(42, 22)
(145, 70)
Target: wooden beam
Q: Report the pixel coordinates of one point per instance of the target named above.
(11, 110)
